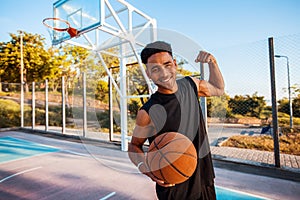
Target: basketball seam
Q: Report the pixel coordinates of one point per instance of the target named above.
(160, 170)
(168, 161)
(156, 144)
(183, 153)
(173, 140)
(176, 168)
(156, 147)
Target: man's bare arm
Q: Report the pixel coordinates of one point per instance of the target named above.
(144, 129)
(215, 85)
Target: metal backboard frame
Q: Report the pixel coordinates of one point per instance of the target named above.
(123, 24)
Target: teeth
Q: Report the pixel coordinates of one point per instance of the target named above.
(166, 80)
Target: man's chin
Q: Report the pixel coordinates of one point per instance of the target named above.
(166, 86)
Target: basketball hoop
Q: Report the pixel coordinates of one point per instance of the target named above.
(71, 31)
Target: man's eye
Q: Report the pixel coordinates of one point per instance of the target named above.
(155, 70)
(169, 65)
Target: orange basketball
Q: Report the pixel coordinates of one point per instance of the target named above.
(172, 158)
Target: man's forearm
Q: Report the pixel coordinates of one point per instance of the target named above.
(215, 79)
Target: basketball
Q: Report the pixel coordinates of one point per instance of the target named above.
(172, 158)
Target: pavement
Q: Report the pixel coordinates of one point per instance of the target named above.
(250, 157)
(255, 157)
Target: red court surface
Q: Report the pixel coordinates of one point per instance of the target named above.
(101, 171)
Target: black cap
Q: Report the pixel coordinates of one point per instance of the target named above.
(153, 48)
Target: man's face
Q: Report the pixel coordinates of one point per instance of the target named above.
(161, 68)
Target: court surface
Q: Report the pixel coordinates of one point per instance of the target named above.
(38, 167)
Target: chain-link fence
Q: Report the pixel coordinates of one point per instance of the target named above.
(248, 119)
(245, 110)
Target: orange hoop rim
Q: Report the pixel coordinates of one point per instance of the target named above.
(54, 28)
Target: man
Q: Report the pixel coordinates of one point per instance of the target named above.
(175, 107)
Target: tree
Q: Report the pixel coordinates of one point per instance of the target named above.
(60, 66)
(35, 58)
(296, 106)
(251, 106)
(284, 105)
(102, 91)
(217, 107)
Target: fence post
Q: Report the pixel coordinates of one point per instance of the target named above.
(22, 105)
(46, 106)
(203, 102)
(123, 101)
(63, 101)
(22, 80)
(111, 116)
(274, 104)
(84, 104)
(33, 105)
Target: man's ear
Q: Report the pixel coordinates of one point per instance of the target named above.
(175, 63)
(147, 72)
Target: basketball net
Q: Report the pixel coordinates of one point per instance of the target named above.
(56, 31)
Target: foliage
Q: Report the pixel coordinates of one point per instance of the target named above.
(284, 106)
(35, 59)
(289, 143)
(251, 106)
(133, 107)
(102, 91)
(218, 107)
(296, 106)
(10, 113)
(61, 67)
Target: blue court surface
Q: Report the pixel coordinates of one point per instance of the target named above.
(12, 149)
(228, 194)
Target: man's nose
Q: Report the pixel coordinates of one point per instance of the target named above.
(164, 72)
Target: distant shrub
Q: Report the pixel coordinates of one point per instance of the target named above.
(10, 113)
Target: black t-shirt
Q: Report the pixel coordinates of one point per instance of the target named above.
(181, 112)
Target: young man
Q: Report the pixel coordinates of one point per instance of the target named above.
(175, 107)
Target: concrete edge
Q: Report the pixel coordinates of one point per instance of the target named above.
(9, 129)
(72, 138)
(256, 168)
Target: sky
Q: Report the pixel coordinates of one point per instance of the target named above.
(213, 24)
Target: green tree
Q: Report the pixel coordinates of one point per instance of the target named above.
(252, 106)
(296, 106)
(102, 91)
(35, 59)
(217, 107)
(283, 104)
(60, 66)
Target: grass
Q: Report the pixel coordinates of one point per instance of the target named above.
(10, 115)
(289, 143)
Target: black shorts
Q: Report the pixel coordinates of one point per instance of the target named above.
(205, 192)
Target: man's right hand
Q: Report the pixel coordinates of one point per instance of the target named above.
(145, 170)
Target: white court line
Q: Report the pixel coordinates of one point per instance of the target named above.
(76, 153)
(108, 196)
(16, 174)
